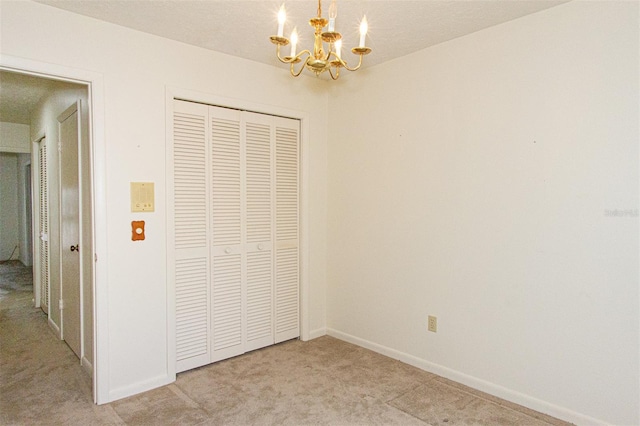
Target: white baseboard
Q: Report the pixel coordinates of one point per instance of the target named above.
(55, 328)
(319, 332)
(139, 387)
(87, 366)
(479, 384)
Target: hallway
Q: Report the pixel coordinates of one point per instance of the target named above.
(41, 380)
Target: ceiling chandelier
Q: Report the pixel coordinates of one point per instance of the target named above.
(320, 60)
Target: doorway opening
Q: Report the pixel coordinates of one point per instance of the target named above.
(47, 144)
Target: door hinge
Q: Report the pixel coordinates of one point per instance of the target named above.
(61, 304)
(95, 257)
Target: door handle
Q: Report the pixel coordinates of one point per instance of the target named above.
(75, 248)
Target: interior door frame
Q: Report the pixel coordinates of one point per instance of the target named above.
(172, 93)
(97, 153)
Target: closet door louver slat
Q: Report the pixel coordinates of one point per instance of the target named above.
(226, 178)
(191, 316)
(227, 307)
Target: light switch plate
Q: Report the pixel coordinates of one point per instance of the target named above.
(432, 324)
(142, 197)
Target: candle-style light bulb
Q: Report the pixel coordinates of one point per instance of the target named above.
(282, 17)
(364, 27)
(294, 41)
(338, 45)
(333, 14)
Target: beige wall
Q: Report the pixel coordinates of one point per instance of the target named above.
(475, 181)
(14, 137)
(9, 236)
(24, 225)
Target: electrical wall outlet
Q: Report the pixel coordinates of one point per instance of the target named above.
(433, 324)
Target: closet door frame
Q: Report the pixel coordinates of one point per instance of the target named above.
(172, 94)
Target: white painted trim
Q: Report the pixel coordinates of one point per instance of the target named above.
(54, 327)
(305, 303)
(86, 365)
(14, 150)
(139, 387)
(318, 332)
(81, 223)
(94, 82)
(98, 175)
(172, 93)
(474, 382)
(170, 263)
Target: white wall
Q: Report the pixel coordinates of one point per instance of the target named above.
(137, 69)
(14, 137)
(476, 181)
(9, 237)
(24, 217)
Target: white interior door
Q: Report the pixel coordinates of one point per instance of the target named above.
(70, 228)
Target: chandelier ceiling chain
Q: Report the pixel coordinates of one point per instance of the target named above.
(320, 60)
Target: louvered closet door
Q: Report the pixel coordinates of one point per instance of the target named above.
(259, 219)
(191, 215)
(228, 252)
(287, 233)
(43, 242)
(236, 232)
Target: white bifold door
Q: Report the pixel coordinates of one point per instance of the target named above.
(235, 243)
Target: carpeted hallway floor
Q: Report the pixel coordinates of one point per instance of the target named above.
(324, 381)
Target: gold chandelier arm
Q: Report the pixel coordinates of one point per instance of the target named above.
(337, 76)
(292, 59)
(344, 64)
(297, 59)
(280, 58)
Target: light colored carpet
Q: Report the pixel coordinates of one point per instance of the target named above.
(15, 276)
(324, 381)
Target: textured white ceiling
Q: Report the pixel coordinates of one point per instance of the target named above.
(19, 94)
(242, 28)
